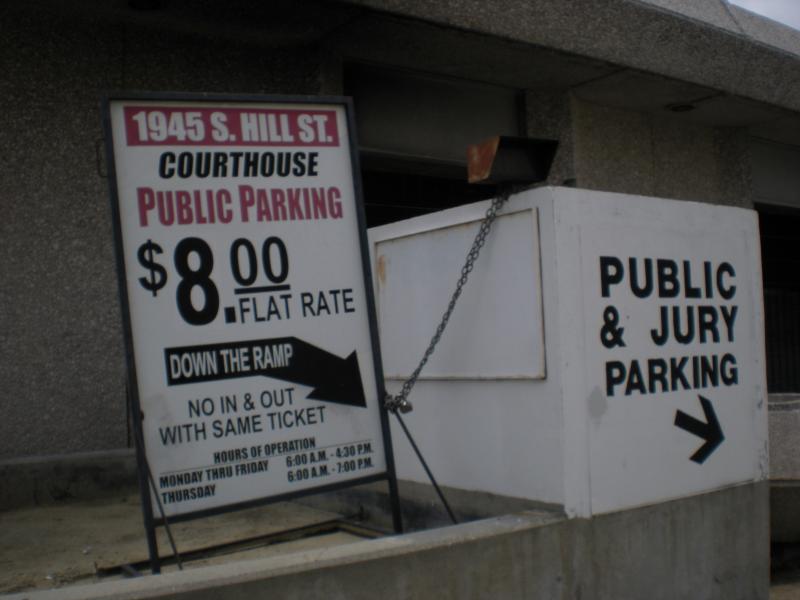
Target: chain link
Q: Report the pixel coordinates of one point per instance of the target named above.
(400, 401)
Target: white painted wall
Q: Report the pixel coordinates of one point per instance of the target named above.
(488, 418)
(634, 452)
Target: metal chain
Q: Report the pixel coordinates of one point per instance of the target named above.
(400, 401)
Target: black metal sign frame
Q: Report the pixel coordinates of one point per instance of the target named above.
(151, 521)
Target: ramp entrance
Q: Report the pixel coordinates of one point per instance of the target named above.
(85, 542)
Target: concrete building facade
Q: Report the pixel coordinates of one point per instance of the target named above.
(685, 100)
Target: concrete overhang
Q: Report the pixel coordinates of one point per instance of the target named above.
(731, 67)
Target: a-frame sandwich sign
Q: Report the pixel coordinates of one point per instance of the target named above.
(250, 330)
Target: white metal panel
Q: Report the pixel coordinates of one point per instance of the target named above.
(496, 330)
(500, 435)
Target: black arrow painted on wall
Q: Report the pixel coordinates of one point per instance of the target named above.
(710, 431)
(334, 379)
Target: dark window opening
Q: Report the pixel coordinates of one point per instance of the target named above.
(393, 196)
(780, 257)
(414, 129)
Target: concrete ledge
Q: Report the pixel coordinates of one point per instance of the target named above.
(421, 507)
(784, 499)
(784, 444)
(49, 479)
(46, 480)
(784, 458)
(699, 547)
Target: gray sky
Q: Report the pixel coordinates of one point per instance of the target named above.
(785, 11)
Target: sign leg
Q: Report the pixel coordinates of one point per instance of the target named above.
(143, 471)
(394, 498)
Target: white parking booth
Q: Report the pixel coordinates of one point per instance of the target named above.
(606, 354)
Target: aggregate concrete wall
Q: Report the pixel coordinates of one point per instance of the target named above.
(549, 116)
(62, 371)
(710, 546)
(713, 546)
(638, 153)
(698, 42)
(42, 481)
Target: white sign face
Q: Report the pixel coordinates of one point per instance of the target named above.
(673, 350)
(246, 291)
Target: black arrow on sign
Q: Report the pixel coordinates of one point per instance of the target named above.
(710, 431)
(334, 379)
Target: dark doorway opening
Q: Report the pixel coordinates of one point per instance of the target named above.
(780, 257)
(391, 196)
